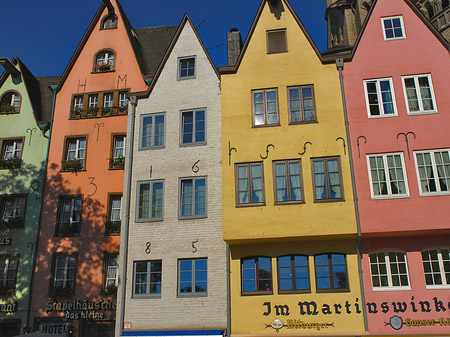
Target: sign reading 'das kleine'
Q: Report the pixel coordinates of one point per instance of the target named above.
(54, 328)
(81, 309)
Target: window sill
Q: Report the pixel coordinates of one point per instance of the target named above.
(72, 171)
(303, 122)
(283, 203)
(116, 168)
(438, 287)
(251, 205)
(149, 296)
(288, 292)
(435, 194)
(319, 201)
(388, 197)
(151, 148)
(192, 295)
(73, 235)
(9, 112)
(332, 290)
(265, 125)
(420, 113)
(186, 78)
(103, 72)
(256, 293)
(193, 217)
(193, 144)
(383, 116)
(395, 38)
(148, 220)
(392, 289)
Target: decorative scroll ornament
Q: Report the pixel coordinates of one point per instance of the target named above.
(357, 142)
(229, 152)
(343, 140)
(98, 126)
(406, 138)
(304, 148)
(267, 151)
(30, 131)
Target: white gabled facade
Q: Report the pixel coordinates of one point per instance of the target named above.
(168, 237)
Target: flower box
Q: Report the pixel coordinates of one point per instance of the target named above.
(110, 289)
(117, 163)
(76, 113)
(7, 292)
(72, 165)
(112, 227)
(7, 108)
(12, 163)
(103, 67)
(92, 111)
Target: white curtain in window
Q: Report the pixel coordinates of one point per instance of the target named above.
(294, 174)
(319, 179)
(257, 194)
(280, 172)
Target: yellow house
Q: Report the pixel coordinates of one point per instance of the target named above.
(288, 205)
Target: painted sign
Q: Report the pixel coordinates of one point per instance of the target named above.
(9, 308)
(5, 241)
(55, 328)
(298, 324)
(397, 322)
(81, 309)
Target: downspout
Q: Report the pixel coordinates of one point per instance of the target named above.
(228, 293)
(54, 89)
(124, 235)
(340, 67)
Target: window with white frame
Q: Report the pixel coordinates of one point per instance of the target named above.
(193, 277)
(13, 208)
(419, 95)
(433, 168)
(8, 273)
(193, 127)
(108, 99)
(393, 28)
(10, 103)
(147, 278)
(123, 99)
(193, 199)
(117, 160)
(76, 150)
(186, 68)
(288, 181)
(104, 61)
(78, 103)
(109, 22)
(389, 270)
(111, 275)
(69, 219)
(150, 201)
(64, 272)
(265, 107)
(12, 149)
(249, 184)
(93, 101)
(152, 131)
(380, 99)
(436, 265)
(387, 175)
(301, 104)
(112, 226)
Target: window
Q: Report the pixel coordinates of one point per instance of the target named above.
(288, 185)
(152, 131)
(436, 265)
(117, 160)
(75, 154)
(193, 198)
(265, 107)
(193, 127)
(64, 273)
(380, 98)
(301, 104)
(93, 101)
(387, 175)
(123, 99)
(327, 179)
(111, 275)
(78, 103)
(192, 277)
(104, 61)
(12, 149)
(150, 201)
(10, 103)
(108, 100)
(256, 275)
(433, 171)
(293, 274)
(249, 184)
(69, 218)
(419, 96)
(147, 278)
(13, 210)
(389, 270)
(331, 272)
(8, 274)
(186, 68)
(97, 328)
(114, 222)
(276, 41)
(109, 22)
(393, 28)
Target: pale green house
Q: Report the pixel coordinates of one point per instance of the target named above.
(25, 113)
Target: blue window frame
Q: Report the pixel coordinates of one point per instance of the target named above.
(256, 275)
(193, 198)
(147, 277)
(293, 274)
(193, 277)
(331, 272)
(193, 130)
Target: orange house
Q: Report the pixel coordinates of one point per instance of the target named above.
(75, 280)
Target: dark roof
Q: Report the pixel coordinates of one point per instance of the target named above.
(47, 95)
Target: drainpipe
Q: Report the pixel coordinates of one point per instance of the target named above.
(124, 235)
(340, 67)
(228, 293)
(53, 87)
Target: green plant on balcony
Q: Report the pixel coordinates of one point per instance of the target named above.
(76, 113)
(103, 67)
(66, 291)
(110, 289)
(72, 165)
(92, 111)
(7, 108)
(122, 109)
(117, 163)
(11, 163)
(112, 227)
(16, 222)
(107, 110)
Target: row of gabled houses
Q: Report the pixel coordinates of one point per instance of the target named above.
(146, 192)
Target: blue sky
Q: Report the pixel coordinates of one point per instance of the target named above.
(44, 34)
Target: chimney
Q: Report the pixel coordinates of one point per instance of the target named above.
(234, 43)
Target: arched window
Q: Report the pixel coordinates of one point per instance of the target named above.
(10, 102)
(104, 61)
(109, 22)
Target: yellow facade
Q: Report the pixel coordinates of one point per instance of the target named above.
(270, 229)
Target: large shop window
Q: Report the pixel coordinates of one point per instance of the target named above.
(331, 272)
(256, 275)
(147, 278)
(436, 265)
(293, 274)
(193, 277)
(389, 270)
(249, 184)
(150, 201)
(327, 179)
(433, 168)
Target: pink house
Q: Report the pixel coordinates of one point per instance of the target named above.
(397, 84)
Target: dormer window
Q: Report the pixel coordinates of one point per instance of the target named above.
(104, 61)
(393, 28)
(276, 41)
(109, 22)
(10, 102)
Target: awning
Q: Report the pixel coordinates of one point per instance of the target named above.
(180, 333)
